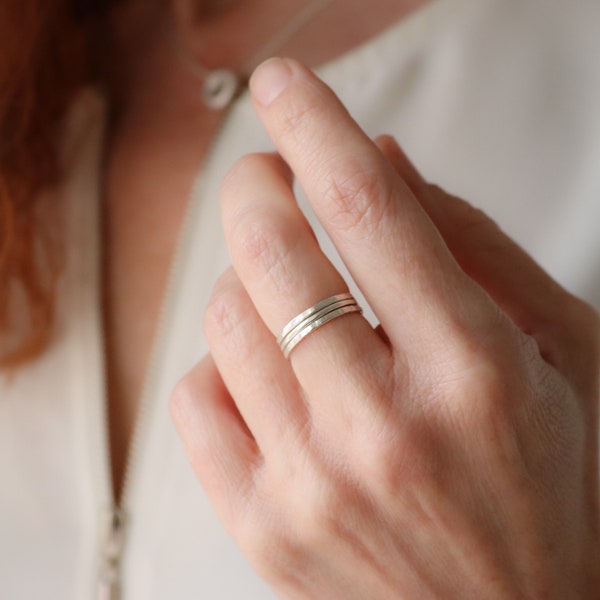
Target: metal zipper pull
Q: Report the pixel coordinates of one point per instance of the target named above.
(113, 528)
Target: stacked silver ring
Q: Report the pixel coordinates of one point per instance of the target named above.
(314, 317)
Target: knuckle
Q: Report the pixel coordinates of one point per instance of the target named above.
(486, 398)
(242, 169)
(226, 310)
(182, 397)
(395, 459)
(568, 336)
(264, 245)
(357, 199)
(258, 242)
(255, 536)
(270, 547)
(293, 121)
(278, 558)
(319, 506)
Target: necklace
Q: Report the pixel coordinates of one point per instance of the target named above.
(221, 86)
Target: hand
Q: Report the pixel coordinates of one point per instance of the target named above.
(450, 453)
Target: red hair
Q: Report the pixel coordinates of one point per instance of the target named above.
(43, 60)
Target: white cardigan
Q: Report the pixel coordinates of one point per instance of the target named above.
(496, 100)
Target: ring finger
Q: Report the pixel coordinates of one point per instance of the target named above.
(278, 259)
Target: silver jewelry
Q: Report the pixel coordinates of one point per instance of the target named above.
(221, 86)
(314, 317)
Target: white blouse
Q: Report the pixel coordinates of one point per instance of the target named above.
(496, 100)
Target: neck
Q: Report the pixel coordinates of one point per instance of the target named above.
(154, 95)
(147, 67)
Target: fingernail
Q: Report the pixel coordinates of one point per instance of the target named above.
(269, 80)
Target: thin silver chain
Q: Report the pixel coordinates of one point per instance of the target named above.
(222, 84)
(296, 24)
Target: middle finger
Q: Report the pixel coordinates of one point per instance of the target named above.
(390, 246)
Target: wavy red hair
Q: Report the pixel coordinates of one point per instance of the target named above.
(43, 60)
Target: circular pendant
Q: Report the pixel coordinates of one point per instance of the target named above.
(219, 89)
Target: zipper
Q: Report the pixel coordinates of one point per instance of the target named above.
(115, 518)
(113, 528)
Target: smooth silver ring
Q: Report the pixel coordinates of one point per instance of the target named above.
(314, 317)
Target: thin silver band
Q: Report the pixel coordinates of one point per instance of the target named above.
(314, 317)
(298, 319)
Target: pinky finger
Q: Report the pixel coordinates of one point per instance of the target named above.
(216, 439)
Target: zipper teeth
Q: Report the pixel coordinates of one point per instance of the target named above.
(151, 373)
(287, 33)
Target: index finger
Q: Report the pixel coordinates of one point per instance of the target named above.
(391, 247)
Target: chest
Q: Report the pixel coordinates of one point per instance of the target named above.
(143, 209)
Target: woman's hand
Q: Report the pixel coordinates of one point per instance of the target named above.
(451, 453)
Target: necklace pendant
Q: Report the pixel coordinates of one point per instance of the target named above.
(220, 88)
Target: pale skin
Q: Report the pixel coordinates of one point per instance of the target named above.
(157, 140)
(452, 453)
